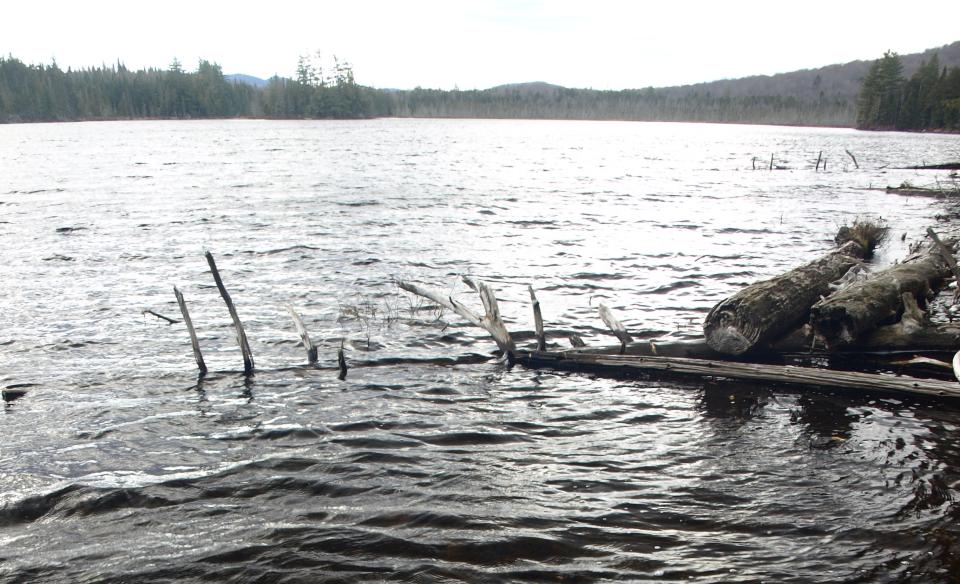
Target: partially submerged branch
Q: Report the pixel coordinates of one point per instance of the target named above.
(492, 322)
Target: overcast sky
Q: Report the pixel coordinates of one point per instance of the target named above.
(469, 44)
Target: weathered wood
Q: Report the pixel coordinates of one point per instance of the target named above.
(885, 339)
(538, 320)
(852, 157)
(241, 336)
(615, 326)
(766, 310)
(492, 323)
(304, 336)
(849, 314)
(947, 254)
(784, 374)
(193, 334)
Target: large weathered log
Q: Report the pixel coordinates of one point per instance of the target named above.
(851, 313)
(764, 311)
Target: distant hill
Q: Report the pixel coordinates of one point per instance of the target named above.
(246, 80)
(826, 96)
(835, 81)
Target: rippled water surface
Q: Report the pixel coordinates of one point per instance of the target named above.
(432, 461)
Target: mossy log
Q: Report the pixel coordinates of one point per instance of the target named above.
(850, 314)
(767, 310)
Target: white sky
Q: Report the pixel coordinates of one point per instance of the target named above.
(604, 44)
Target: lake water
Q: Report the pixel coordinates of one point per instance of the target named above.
(432, 461)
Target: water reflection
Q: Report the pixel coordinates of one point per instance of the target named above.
(731, 402)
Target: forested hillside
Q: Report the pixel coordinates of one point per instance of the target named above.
(917, 92)
(928, 100)
(30, 93)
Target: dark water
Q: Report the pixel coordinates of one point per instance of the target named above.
(432, 462)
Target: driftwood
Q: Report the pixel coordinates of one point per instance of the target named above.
(845, 316)
(785, 374)
(944, 166)
(194, 343)
(241, 336)
(770, 309)
(161, 317)
(538, 321)
(341, 365)
(304, 336)
(615, 326)
(491, 322)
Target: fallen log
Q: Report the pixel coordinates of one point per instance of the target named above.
(849, 314)
(766, 310)
(782, 374)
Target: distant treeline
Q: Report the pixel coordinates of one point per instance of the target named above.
(32, 93)
(928, 100)
(541, 100)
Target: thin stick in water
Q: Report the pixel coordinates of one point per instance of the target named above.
(850, 154)
(160, 316)
(304, 336)
(341, 364)
(241, 336)
(538, 321)
(193, 334)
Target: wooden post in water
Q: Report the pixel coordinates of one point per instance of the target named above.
(850, 154)
(819, 157)
(304, 336)
(616, 326)
(771, 162)
(193, 334)
(241, 336)
(341, 364)
(538, 321)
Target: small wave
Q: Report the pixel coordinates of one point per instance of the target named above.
(36, 191)
(471, 438)
(679, 284)
(727, 230)
(369, 443)
(285, 250)
(58, 258)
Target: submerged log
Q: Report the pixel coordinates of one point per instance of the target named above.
(784, 374)
(862, 307)
(770, 309)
